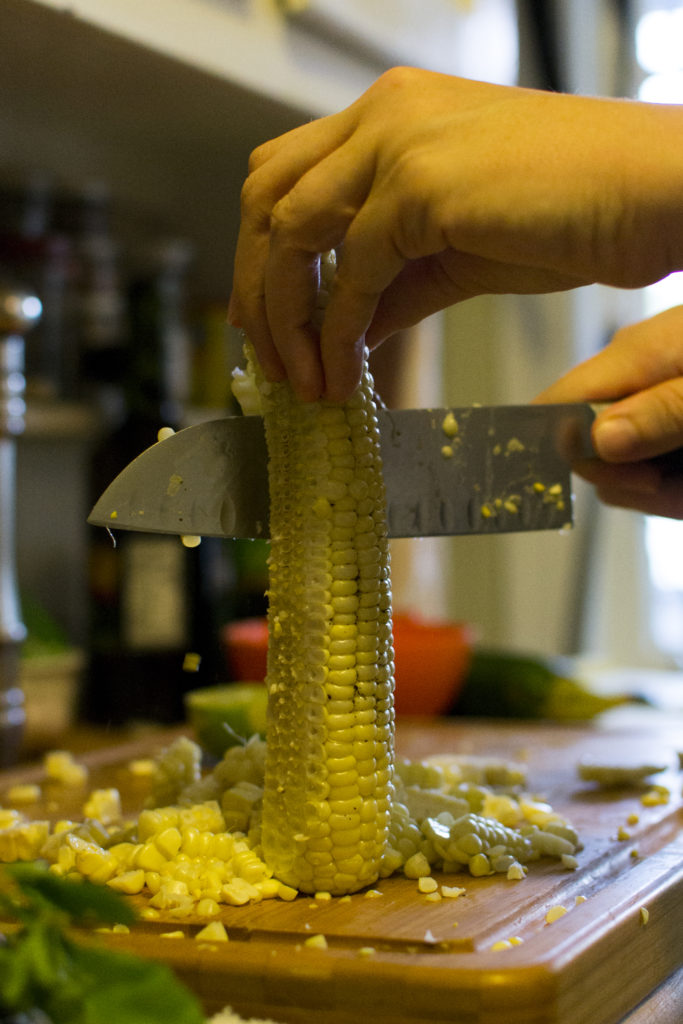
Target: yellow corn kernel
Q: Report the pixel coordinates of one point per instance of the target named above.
(269, 888)
(416, 866)
(238, 892)
(286, 892)
(451, 892)
(9, 816)
(125, 853)
(207, 907)
(449, 425)
(212, 932)
(150, 822)
(104, 805)
(130, 882)
(171, 894)
(23, 841)
(655, 796)
(192, 660)
(168, 842)
(96, 864)
(205, 817)
(149, 858)
(153, 881)
(149, 914)
(60, 766)
(142, 767)
(23, 793)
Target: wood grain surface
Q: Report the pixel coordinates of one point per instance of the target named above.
(433, 961)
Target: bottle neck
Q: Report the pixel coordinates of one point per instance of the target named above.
(158, 365)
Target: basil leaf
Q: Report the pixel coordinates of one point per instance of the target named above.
(81, 900)
(126, 988)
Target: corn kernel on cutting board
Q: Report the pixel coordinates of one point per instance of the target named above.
(397, 958)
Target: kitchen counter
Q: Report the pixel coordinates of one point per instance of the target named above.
(598, 963)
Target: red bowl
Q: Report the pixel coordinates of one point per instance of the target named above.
(245, 643)
(431, 659)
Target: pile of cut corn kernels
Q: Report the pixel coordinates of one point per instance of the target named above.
(196, 845)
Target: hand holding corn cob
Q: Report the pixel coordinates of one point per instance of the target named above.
(440, 189)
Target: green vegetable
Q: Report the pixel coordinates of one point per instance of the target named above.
(45, 637)
(505, 685)
(225, 715)
(42, 967)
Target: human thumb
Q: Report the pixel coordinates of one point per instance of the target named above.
(642, 426)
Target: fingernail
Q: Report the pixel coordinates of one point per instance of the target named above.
(616, 438)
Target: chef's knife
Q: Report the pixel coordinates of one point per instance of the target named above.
(471, 470)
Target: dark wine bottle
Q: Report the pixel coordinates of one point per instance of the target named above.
(147, 612)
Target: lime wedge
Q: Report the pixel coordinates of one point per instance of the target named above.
(225, 715)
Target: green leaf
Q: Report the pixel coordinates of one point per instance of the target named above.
(15, 979)
(126, 988)
(81, 900)
(42, 967)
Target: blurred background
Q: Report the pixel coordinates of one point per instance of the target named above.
(126, 130)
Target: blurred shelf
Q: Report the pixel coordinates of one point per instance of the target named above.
(165, 102)
(61, 420)
(165, 109)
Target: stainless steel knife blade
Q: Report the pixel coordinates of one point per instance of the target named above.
(470, 470)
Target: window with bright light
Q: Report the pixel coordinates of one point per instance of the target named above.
(659, 56)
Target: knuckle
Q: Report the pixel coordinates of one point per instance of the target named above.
(254, 204)
(249, 191)
(282, 218)
(397, 78)
(671, 406)
(258, 156)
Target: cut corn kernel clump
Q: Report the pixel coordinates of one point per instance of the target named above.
(61, 766)
(189, 859)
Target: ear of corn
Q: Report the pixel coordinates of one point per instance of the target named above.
(329, 755)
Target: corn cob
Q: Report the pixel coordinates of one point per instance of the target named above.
(329, 754)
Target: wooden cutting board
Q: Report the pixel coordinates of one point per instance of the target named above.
(433, 961)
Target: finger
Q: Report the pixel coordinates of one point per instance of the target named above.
(342, 340)
(642, 426)
(314, 217)
(290, 310)
(275, 168)
(371, 260)
(668, 501)
(638, 356)
(644, 478)
(641, 486)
